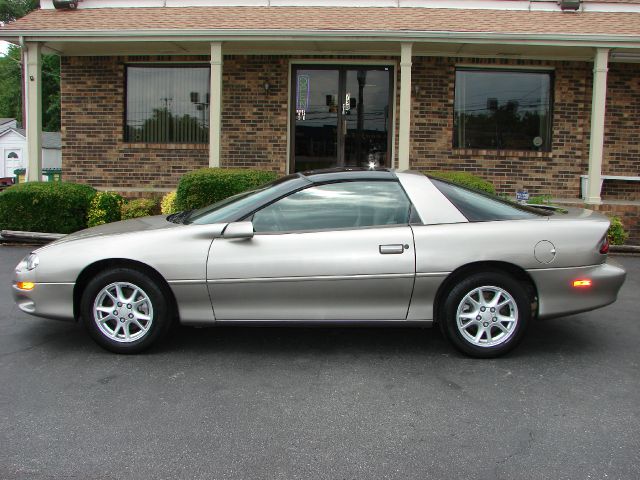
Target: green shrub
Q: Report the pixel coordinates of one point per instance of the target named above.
(140, 207)
(540, 200)
(617, 234)
(50, 207)
(466, 180)
(105, 208)
(168, 203)
(209, 185)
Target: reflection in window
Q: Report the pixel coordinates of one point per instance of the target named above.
(168, 104)
(481, 207)
(502, 110)
(336, 205)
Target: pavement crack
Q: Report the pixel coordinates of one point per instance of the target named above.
(525, 445)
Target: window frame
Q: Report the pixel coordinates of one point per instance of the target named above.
(412, 219)
(195, 64)
(518, 69)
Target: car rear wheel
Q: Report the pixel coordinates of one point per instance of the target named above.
(486, 314)
(125, 311)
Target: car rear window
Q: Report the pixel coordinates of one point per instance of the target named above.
(481, 207)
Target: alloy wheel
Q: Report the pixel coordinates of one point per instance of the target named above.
(123, 312)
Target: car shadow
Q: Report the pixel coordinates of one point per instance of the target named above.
(544, 338)
(562, 336)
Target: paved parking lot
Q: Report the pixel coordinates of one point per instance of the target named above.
(316, 403)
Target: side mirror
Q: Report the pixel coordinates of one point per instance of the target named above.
(238, 230)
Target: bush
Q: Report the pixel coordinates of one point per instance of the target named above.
(105, 208)
(209, 185)
(168, 203)
(540, 200)
(140, 207)
(466, 180)
(50, 207)
(617, 234)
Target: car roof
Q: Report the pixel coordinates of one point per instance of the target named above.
(348, 173)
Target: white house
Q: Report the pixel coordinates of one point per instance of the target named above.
(13, 145)
(7, 123)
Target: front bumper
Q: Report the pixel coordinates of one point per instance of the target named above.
(557, 296)
(49, 300)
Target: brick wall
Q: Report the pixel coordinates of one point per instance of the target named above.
(556, 172)
(254, 121)
(622, 126)
(93, 147)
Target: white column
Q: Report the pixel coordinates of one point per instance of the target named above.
(33, 89)
(405, 106)
(598, 103)
(215, 105)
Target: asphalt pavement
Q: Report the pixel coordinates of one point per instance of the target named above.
(321, 403)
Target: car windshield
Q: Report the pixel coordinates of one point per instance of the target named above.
(481, 207)
(235, 207)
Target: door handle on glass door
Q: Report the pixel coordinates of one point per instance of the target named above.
(392, 249)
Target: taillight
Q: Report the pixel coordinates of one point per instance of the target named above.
(604, 246)
(582, 283)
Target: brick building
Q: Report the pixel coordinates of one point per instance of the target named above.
(541, 95)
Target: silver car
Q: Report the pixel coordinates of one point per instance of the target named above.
(337, 246)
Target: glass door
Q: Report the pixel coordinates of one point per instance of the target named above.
(316, 118)
(366, 118)
(341, 117)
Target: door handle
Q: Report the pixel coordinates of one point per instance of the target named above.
(392, 249)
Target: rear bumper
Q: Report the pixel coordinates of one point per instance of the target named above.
(557, 295)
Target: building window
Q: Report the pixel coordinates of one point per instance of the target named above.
(502, 110)
(167, 104)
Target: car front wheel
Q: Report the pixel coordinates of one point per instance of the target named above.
(124, 311)
(486, 314)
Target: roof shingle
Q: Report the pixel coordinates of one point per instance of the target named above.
(330, 19)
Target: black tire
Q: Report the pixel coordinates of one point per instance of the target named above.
(449, 320)
(161, 309)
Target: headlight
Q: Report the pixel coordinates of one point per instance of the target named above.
(29, 262)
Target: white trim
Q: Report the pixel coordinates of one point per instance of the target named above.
(215, 105)
(596, 137)
(521, 5)
(415, 36)
(404, 129)
(33, 88)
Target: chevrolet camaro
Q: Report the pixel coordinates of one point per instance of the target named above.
(342, 246)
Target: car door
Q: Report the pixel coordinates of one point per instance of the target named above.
(338, 251)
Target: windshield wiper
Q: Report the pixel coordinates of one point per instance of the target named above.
(179, 217)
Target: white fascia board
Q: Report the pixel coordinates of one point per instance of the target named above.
(526, 5)
(617, 41)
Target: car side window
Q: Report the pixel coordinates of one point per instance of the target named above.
(336, 206)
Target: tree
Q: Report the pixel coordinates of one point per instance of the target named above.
(12, 9)
(11, 73)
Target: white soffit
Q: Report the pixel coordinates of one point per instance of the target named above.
(526, 5)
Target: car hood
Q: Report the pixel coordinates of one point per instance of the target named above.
(118, 228)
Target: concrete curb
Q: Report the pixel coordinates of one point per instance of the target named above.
(625, 249)
(13, 236)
